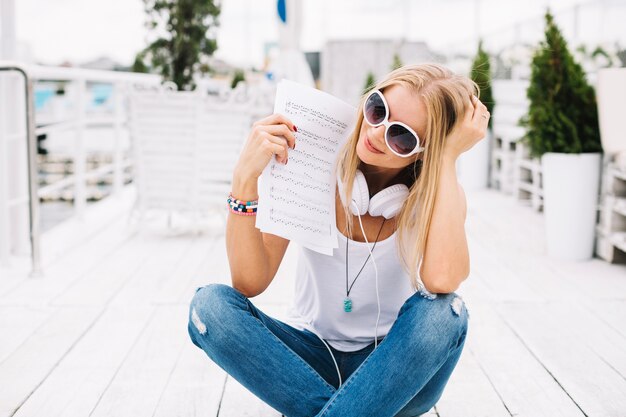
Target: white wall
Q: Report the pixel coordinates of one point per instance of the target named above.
(345, 64)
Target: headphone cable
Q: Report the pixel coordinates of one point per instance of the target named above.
(375, 270)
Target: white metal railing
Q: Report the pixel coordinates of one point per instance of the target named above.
(32, 173)
(121, 82)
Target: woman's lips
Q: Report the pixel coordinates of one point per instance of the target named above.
(369, 146)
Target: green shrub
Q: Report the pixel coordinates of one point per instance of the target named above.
(562, 116)
(238, 77)
(481, 75)
(397, 62)
(370, 82)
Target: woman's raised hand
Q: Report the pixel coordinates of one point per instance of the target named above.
(268, 137)
(470, 131)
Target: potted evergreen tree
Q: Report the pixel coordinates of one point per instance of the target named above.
(396, 62)
(239, 76)
(562, 130)
(474, 164)
(370, 82)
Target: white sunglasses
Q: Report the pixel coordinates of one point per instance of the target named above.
(399, 137)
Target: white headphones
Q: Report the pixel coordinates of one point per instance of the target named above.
(386, 202)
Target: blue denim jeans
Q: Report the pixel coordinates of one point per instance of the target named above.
(292, 371)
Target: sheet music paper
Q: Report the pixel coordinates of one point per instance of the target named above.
(297, 200)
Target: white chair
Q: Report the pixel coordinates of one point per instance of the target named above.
(185, 148)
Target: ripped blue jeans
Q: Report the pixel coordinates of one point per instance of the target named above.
(292, 371)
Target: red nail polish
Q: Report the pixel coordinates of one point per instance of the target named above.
(295, 129)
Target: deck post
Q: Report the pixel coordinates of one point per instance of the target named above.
(118, 171)
(4, 188)
(80, 197)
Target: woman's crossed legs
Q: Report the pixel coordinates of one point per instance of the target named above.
(292, 371)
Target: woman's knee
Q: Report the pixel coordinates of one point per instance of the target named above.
(211, 305)
(441, 315)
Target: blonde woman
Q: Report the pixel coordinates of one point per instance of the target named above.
(363, 337)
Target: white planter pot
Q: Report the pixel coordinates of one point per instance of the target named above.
(473, 165)
(571, 183)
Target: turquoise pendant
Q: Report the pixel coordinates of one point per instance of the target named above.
(347, 305)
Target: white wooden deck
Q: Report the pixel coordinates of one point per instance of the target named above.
(104, 332)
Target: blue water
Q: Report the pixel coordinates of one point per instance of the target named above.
(42, 95)
(99, 95)
(55, 212)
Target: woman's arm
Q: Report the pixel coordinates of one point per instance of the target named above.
(254, 257)
(446, 259)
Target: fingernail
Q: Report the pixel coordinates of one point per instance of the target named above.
(295, 129)
(286, 160)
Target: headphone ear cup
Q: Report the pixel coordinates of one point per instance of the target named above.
(340, 187)
(388, 202)
(360, 195)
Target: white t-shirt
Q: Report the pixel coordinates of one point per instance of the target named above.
(320, 290)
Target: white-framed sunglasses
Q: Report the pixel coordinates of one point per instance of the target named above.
(400, 138)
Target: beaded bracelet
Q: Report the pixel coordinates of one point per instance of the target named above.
(244, 208)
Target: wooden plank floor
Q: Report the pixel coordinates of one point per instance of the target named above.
(104, 331)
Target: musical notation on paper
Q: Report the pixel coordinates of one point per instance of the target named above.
(313, 115)
(299, 222)
(312, 139)
(297, 200)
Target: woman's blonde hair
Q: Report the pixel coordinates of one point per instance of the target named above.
(445, 96)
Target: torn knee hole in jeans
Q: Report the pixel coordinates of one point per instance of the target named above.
(427, 294)
(457, 305)
(197, 322)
